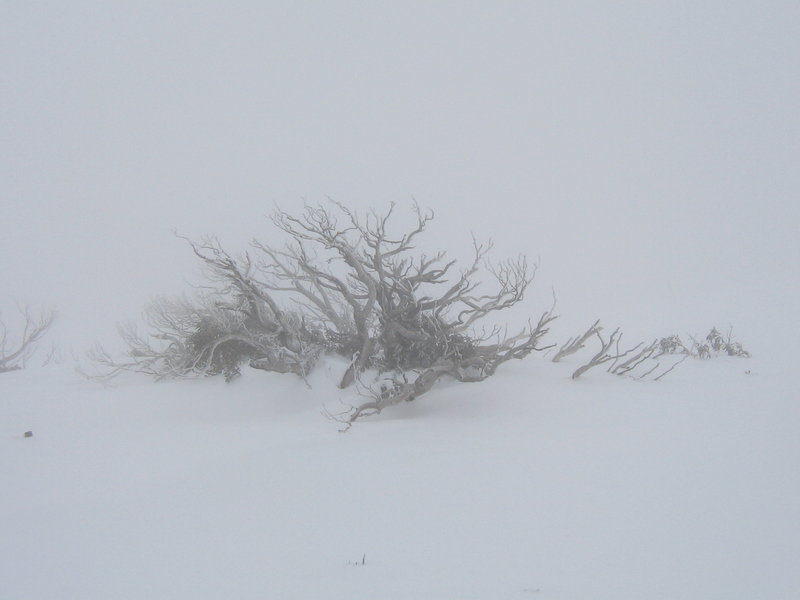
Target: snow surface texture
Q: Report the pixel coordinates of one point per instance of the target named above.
(526, 485)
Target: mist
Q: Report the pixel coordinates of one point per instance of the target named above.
(643, 153)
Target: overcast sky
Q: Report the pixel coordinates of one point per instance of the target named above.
(645, 152)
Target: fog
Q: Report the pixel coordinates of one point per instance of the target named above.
(644, 153)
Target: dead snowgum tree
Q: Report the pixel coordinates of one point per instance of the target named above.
(644, 361)
(343, 283)
(618, 360)
(14, 356)
(402, 311)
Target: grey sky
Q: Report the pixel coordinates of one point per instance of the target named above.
(645, 151)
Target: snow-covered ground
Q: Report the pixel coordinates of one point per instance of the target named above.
(646, 152)
(528, 485)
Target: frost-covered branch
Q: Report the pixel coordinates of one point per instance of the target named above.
(14, 355)
(605, 354)
(572, 345)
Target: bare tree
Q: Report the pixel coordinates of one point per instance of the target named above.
(351, 284)
(14, 356)
(400, 320)
(346, 283)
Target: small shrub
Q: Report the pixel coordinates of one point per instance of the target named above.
(714, 344)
